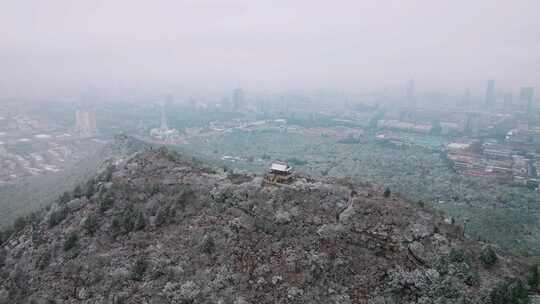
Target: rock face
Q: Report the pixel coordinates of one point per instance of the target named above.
(161, 228)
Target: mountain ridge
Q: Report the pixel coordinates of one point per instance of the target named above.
(159, 227)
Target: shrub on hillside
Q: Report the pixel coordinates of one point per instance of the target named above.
(172, 155)
(387, 192)
(138, 269)
(488, 257)
(20, 223)
(446, 289)
(71, 241)
(90, 188)
(534, 276)
(90, 225)
(43, 260)
(78, 192)
(130, 220)
(458, 264)
(3, 256)
(116, 225)
(509, 292)
(106, 203)
(163, 215)
(5, 234)
(457, 255)
(140, 221)
(57, 217)
(208, 245)
(64, 198)
(106, 175)
(152, 189)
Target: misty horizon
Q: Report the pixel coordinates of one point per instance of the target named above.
(62, 47)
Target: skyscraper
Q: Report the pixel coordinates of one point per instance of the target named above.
(508, 99)
(410, 94)
(238, 98)
(526, 96)
(490, 93)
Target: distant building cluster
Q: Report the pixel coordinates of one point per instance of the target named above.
(36, 147)
(400, 139)
(491, 161)
(487, 135)
(238, 99)
(514, 161)
(525, 101)
(404, 126)
(444, 128)
(165, 135)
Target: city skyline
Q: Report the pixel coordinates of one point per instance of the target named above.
(60, 48)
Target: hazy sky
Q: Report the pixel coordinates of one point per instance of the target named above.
(48, 45)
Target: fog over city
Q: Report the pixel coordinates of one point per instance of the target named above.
(257, 151)
(62, 47)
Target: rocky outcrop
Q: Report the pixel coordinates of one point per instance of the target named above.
(162, 228)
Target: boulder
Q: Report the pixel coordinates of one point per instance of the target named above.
(75, 204)
(189, 290)
(83, 293)
(283, 217)
(294, 292)
(346, 215)
(420, 231)
(419, 252)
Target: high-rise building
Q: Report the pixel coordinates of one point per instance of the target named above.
(526, 96)
(490, 93)
(508, 99)
(238, 98)
(472, 124)
(410, 94)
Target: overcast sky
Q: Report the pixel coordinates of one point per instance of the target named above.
(48, 45)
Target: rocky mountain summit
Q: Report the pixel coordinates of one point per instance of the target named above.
(158, 227)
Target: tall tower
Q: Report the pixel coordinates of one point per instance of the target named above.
(490, 93)
(410, 94)
(163, 119)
